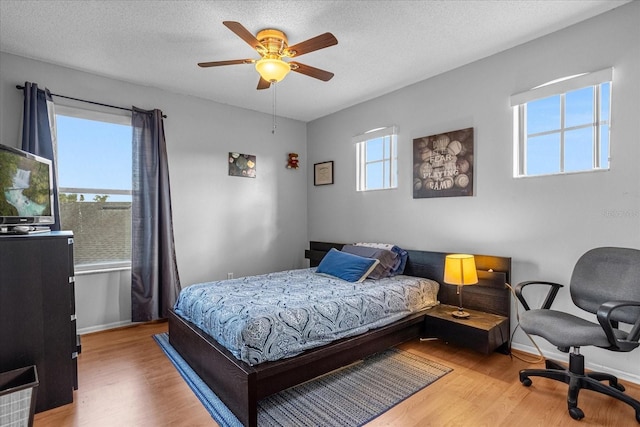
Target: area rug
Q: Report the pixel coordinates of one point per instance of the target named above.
(351, 396)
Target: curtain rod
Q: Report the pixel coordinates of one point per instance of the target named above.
(164, 116)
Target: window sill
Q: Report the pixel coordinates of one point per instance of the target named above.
(376, 189)
(562, 173)
(98, 268)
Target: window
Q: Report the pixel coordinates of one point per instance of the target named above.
(94, 179)
(563, 126)
(377, 159)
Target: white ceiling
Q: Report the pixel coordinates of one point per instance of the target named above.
(382, 45)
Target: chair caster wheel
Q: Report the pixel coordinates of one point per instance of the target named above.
(526, 382)
(576, 413)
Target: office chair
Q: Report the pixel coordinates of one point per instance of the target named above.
(606, 282)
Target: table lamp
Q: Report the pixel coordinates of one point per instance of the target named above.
(460, 270)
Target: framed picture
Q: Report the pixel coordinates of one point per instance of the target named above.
(242, 165)
(323, 173)
(443, 165)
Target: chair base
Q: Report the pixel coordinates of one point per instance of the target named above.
(577, 380)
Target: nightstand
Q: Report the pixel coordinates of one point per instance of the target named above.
(481, 331)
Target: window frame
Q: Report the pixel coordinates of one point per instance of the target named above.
(561, 87)
(113, 118)
(390, 158)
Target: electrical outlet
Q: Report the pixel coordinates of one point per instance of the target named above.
(229, 275)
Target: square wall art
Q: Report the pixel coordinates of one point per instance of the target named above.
(443, 165)
(242, 165)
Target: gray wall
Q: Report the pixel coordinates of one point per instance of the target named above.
(543, 223)
(222, 224)
(245, 226)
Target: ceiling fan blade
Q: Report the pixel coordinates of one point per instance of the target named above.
(310, 71)
(244, 34)
(263, 84)
(313, 44)
(230, 62)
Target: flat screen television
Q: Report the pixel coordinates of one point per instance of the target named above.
(26, 188)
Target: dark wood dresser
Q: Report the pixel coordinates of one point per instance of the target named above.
(37, 312)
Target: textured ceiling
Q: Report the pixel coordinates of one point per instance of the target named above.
(382, 45)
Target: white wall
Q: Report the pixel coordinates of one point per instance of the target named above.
(543, 223)
(222, 224)
(103, 300)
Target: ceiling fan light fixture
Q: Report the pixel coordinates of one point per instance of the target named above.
(272, 69)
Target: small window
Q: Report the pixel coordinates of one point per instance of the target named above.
(563, 126)
(94, 176)
(377, 159)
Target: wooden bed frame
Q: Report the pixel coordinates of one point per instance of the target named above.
(240, 386)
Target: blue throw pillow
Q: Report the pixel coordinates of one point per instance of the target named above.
(349, 267)
(387, 259)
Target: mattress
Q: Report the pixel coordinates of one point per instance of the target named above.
(280, 315)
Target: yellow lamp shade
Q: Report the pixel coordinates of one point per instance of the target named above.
(272, 69)
(460, 269)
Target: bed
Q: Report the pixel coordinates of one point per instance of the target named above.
(240, 384)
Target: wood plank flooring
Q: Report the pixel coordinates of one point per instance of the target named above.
(126, 380)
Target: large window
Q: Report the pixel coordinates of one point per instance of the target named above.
(377, 159)
(94, 176)
(563, 126)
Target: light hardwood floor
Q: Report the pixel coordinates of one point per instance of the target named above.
(126, 380)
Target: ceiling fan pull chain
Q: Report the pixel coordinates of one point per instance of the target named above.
(273, 89)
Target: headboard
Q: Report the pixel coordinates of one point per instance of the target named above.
(490, 294)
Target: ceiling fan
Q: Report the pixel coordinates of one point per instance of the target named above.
(272, 45)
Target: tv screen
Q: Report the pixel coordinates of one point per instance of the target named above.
(26, 191)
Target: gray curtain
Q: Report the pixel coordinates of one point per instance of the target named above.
(38, 134)
(154, 272)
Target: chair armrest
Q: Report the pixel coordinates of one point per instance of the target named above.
(553, 291)
(604, 318)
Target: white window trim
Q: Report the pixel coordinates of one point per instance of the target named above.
(376, 133)
(557, 87)
(123, 118)
(100, 116)
(562, 86)
(101, 267)
(76, 190)
(388, 131)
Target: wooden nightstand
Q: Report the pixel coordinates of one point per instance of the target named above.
(481, 331)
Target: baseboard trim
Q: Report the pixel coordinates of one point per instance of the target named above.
(99, 328)
(562, 357)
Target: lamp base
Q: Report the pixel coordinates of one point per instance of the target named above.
(460, 314)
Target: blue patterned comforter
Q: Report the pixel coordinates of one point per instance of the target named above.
(278, 315)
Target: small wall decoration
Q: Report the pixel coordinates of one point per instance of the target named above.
(323, 173)
(443, 165)
(292, 162)
(242, 165)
